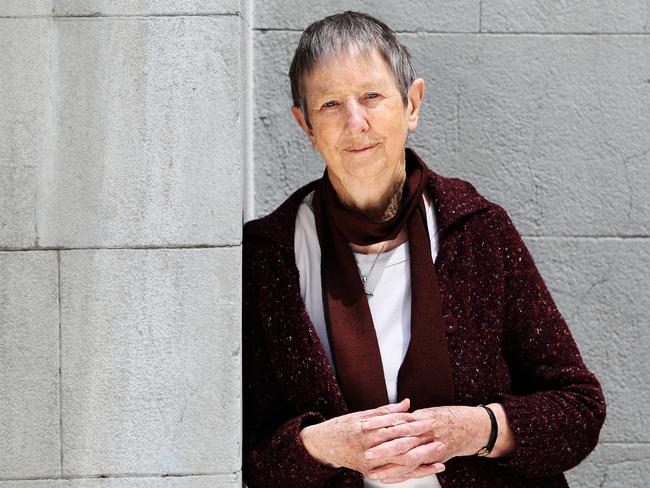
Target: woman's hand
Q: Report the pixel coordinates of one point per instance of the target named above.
(418, 448)
(341, 441)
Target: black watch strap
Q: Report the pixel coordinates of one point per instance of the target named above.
(484, 451)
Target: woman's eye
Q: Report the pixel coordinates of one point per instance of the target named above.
(373, 95)
(329, 104)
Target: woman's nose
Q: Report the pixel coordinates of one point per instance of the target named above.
(355, 116)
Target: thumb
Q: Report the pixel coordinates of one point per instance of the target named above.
(402, 406)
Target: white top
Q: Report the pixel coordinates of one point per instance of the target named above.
(390, 304)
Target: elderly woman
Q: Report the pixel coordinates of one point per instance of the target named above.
(395, 326)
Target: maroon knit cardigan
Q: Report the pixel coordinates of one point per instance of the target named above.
(507, 342)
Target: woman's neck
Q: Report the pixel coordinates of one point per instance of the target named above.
(385, 210)
(378, 206)
(393, 204)
(388, 213)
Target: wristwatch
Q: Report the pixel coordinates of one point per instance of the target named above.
(484, 451)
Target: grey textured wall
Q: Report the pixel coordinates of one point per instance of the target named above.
(545, 107)
(120, 232)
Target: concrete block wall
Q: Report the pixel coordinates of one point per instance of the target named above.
(120, 229)
(125, 132)
(545, 107)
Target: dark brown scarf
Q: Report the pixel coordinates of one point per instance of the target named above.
(425, 374)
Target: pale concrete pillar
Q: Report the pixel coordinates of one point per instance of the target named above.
(121, 155)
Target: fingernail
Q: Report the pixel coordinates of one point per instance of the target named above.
(364, 425)
(369, 455)
(373, 476)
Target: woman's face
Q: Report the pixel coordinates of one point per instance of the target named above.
(359, 122)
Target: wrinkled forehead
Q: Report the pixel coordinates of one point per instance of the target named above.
(330, 63)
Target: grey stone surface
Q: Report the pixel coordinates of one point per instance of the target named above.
(151, 361)
(283, 157)
(32, 484)
(552, 127)
(600, 286)
(613, 466)
(232, 480)
(15, 8)
(592, 16)
(120, 126)
(145, 7)
(420, 15)
(29, 364)
(25, 124)
(148, 133)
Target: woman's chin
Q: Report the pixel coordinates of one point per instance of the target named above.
(366, 167)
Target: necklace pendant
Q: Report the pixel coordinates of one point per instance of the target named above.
(364, 280)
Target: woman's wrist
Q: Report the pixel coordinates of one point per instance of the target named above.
(483, 429)
(308, 438)
(505, 441)
(481, 432)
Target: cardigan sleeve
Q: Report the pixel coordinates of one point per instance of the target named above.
(273, 453)
(556, 406)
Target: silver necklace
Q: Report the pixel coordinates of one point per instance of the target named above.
(364, 278)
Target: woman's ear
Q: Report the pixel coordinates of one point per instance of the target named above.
(415, 95)
(300, 118)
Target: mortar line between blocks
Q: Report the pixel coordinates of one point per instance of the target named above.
(58, 266)
(109, 248)
(119, 16)
(229, 246)
(482, 33)
(248, 101)
(234, 474)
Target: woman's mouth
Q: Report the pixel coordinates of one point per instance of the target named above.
(358, 149)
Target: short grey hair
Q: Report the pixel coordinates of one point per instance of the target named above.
(338, 34)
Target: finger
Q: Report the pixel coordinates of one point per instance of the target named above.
(390, 471)
(422, 454)
(400, 445)
(377, 457)
(402, 406)
(386, 420)
(419, 472)
(426, 469)
(392, 419)
(425, 430)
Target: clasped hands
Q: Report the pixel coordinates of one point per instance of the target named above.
(390, 444)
